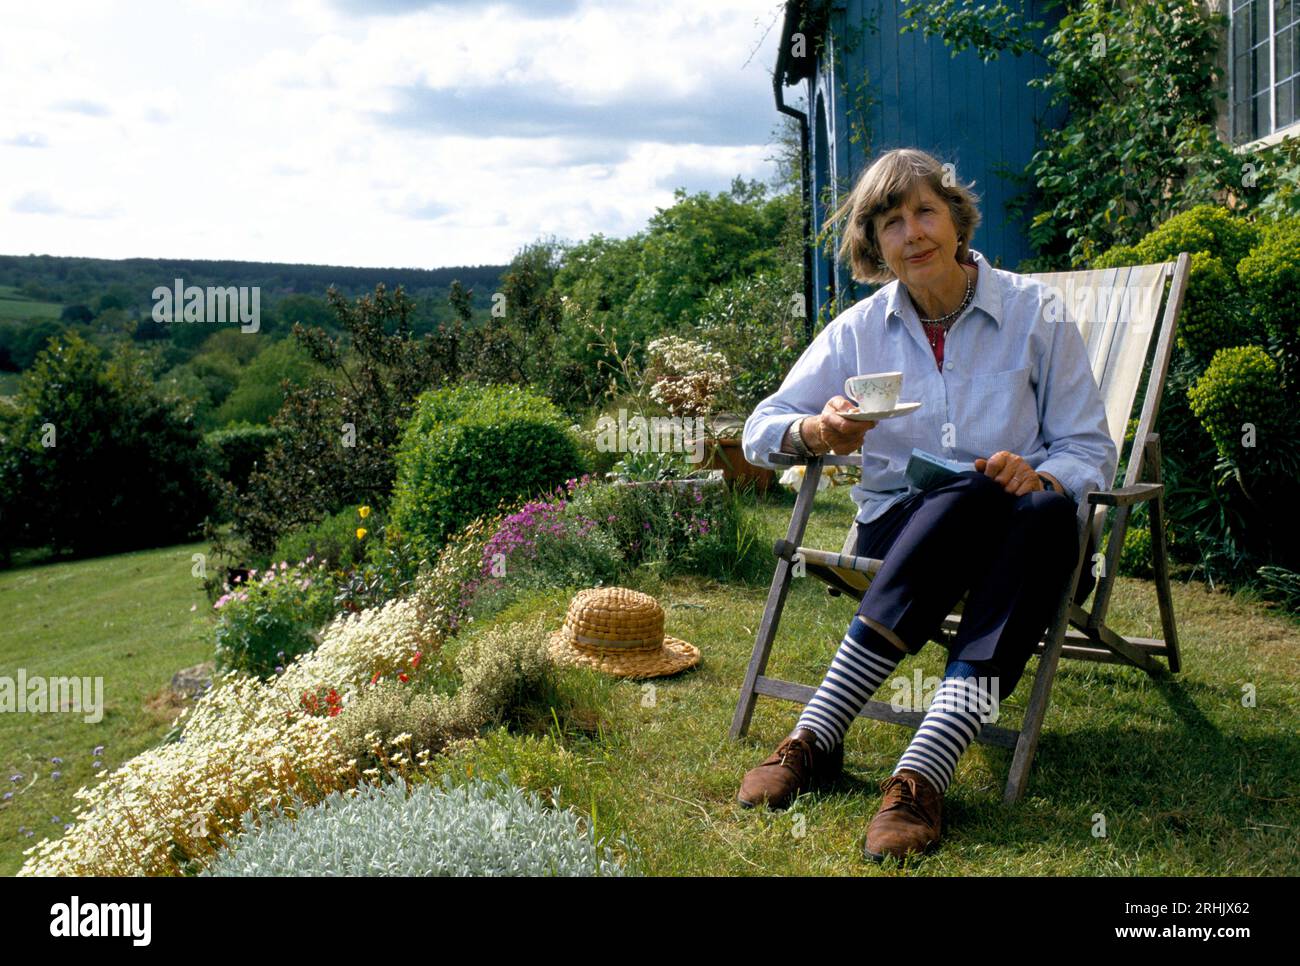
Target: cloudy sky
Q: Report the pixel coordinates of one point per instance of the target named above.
(371, 132)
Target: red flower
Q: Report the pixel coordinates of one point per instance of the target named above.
(375, 679)
(402, 677)
(335, 710)
(415, 661)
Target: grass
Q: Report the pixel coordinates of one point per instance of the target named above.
(126, 618)
(1181, 776)
(14, 305)
(1187, 779)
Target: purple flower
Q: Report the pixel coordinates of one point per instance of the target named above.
(97, 764)
(99, 750)
(16, 777)
(55, 774)
(7, 796)
(56, 761)
(646, 524)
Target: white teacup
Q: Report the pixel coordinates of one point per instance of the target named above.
(875, 392)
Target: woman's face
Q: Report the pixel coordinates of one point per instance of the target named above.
(921, 224)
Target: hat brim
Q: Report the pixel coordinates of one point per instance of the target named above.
(674, 657)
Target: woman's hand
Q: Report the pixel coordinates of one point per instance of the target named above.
(832, 431)
(1016, 476)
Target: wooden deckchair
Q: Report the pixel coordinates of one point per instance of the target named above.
(1115, 310)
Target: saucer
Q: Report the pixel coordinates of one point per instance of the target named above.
(900, 409)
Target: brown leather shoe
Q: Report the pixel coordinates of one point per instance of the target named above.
(796, 766)
(909, 820)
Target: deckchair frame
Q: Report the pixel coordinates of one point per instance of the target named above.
(1073, 632)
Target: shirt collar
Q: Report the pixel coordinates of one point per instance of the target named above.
(988, 295)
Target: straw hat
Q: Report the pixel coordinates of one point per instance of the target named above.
(621, 632)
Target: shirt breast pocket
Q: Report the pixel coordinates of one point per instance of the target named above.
(999, 411)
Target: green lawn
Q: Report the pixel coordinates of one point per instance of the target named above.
(16, 306)
(1188, 780)
(126, 618)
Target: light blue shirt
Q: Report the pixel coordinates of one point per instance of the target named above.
(1012, 379)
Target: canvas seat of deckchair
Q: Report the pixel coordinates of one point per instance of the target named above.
(1116, 311)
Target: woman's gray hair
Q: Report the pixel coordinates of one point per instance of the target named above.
(891, 179)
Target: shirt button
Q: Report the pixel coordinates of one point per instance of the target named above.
(947, 365)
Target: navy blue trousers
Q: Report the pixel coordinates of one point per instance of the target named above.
(1012, 553)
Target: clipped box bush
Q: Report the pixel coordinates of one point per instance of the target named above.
(467, 449)
(1240, 387)
(476, 829)
(1205, 228)
(1216, 313)
(1270, 277)
(238, 449)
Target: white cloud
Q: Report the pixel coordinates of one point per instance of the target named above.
(319, 132)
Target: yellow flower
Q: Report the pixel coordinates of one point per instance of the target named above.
(364, 511)
(361, 533)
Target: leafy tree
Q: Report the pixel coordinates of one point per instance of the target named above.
(1139, 144)
(337, 432)
(97, 460)
(699, 242)
(263, 385)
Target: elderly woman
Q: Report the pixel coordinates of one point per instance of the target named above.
(1001, 387)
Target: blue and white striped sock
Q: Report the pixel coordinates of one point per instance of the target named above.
(959, 710)
(864, 659)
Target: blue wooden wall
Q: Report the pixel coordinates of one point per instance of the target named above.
(982, 117)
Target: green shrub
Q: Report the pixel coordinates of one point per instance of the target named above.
(1118, 257)
(1240, 388)
(468, 448)
(1270, 277)
(1135, 558)
(269, 620)
(696, 527)
(540, 545)
(1215, 315)
(476, 829)
(387, 570)
(751, 321)
(338, 433)
(1205, 228)
(332, 541)
(237, 450)
(97, 459)
(497, 671)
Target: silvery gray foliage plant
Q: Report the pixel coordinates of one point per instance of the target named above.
(476, 829)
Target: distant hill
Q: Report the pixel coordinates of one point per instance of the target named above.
(68, 281)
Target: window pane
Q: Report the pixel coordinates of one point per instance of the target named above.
(1260, 83)
(1285, 47)
(1241, 80)
(1259, 116)
(1259, 19)
(1284, 13)
(1286, 103)
(1240, 32)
